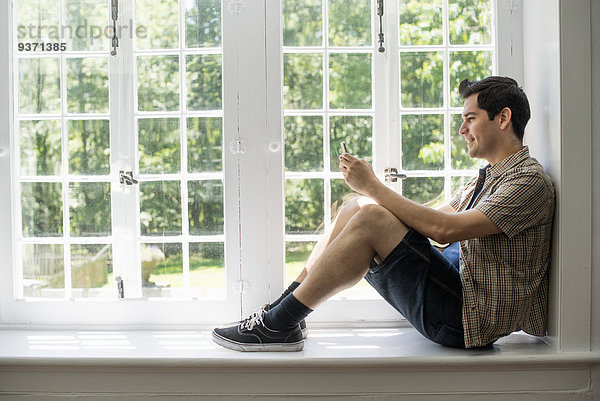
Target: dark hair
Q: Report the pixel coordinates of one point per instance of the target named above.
(496, 93)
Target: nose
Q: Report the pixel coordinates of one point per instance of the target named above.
(463, 129)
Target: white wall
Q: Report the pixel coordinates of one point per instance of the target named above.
(595, 16)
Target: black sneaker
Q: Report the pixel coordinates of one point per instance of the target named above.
(252, 335)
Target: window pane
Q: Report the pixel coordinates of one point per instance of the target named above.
(340, 191)
(160, 208)
(472, 65)
(32, 15)
(460, 151)
(86, 23)
(39, 85)
(152, 70)
(204, 82)
(458, 183)
(87, 85)
(204, 141)
(356, 131)
(421, 22)
(303, 206)
(89, 209)
(349, 23)
(302, 22)
(202, 23)
(296, 255)
(40, 145)
(470, 21)
(89, 147)
(205, 207)
(302, 81)
(422, 79)
(91, 271)
(41, 207)
(303, 143)
(350, 81)
(207, 270)
(158, 142)
(162, 269)
(43, 271)
(424, 190)
(159, 20)
(423, 142)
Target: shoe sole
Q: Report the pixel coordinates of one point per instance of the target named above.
(275, 347)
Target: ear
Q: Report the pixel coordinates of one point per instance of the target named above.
(504, 118)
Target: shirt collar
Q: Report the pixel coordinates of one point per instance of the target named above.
(499, 168)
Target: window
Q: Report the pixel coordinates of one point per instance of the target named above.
(180, 108)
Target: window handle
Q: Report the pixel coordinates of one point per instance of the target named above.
(126, 177)
(114, 5)
(380, 13)
(392, 175)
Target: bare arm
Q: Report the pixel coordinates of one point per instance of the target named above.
(443, 225)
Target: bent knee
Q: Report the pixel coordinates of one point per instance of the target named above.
(357, 203)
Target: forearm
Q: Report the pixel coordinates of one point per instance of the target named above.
(430, 222)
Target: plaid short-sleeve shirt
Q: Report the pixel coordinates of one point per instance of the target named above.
(504, 276)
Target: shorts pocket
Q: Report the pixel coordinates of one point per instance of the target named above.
(450, 337)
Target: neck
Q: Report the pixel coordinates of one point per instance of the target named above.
(505, 152)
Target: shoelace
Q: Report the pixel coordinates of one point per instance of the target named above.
(253, 320)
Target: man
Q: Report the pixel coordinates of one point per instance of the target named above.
(491, 280)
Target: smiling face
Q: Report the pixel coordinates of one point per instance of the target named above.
(481, 134)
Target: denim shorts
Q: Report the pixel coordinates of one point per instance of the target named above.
(424, 286)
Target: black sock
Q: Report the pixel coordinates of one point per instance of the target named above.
(287, 292)
(287, 315)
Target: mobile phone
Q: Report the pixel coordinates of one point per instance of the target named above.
(344, 147)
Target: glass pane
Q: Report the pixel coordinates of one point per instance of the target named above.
(207, 270)
(423, 142)
(205, 144)
(303, 143)
(422, 79)
(89, 209)
(205, 207)
(91, 271)
(160, 208)
(86, 23)
(41, 208)
(303, 206)
(424, 190)
(162, 269)
(350, 81)
(89, 147)
(158, 143)
(460, 151)
(421, 22)
(357, 132)
(43, 271)
(159, 21)
(296, 255)
(302, 22)
(39, 85)
(340, 192)
(152, 70)
(472, 65)
(349, 23)
(202, 23)
(458, 183)
(470, 22)
(40, 145)
(302, 81)
(87, 85)
(204, 82)
(37, 21)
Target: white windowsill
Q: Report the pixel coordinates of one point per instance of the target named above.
(340, 348)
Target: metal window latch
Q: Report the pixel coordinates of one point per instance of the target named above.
(392, 175)
(381, 49)
(126, 177)
(114, 5)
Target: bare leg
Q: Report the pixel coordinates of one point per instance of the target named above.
(345, 214)
(370, 232)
